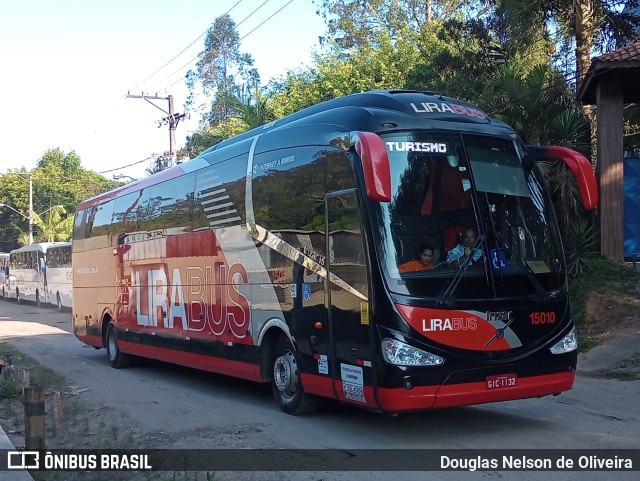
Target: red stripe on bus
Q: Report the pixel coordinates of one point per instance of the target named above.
(228, 367)
(477, 392)
(427, 397)
(456, 328)
(318, 385)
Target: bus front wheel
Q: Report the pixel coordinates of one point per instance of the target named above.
(117, 358)
(286, 385)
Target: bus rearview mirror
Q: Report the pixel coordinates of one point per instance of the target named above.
(375, 165)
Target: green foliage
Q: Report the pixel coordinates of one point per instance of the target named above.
(38, 374)
(580, 245)
(334, 75)
(8, 389)
(452, 58)
(570, 128)
(59, 183)
(55, 226)
(601, 274)
(527, 100)
(457, 58)
(631, 127)
(564, 191)
(219, 64)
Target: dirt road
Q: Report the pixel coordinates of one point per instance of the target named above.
(158, 405)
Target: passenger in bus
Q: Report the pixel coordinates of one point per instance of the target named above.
(423, 261)
(461, 252)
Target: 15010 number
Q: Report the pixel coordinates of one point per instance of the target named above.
(543, 317)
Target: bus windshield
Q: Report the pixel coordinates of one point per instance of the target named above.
(477, 206)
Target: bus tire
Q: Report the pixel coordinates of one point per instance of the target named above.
(117, 358)
(38, 303)
(17, 295)
(59, 301)
(285, 383)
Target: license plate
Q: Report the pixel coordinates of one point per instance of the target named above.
(502, 380)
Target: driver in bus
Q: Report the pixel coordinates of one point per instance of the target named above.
(461, 252)
(423, 261)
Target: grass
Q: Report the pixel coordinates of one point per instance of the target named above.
(39, 375)
(605, 277)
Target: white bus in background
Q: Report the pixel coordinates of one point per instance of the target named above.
(28, 265)
(4, 270)
(59, 274)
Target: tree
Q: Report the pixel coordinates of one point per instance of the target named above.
(528, 102)
(57, 180)
(246, 112)
(354, 24)
(219, 64)
(56, 225)
(388, 66)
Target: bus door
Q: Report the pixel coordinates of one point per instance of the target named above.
(351, 353)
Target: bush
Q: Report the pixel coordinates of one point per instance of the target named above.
(581, 242)
(8, 389)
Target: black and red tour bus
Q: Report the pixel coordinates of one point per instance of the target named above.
(273, 256)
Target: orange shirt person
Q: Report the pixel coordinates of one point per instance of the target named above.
(423, 262)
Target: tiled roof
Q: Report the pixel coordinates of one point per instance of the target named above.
(630, 52)
(624, 63)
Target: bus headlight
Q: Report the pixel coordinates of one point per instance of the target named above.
(567, 344)
(401, 354)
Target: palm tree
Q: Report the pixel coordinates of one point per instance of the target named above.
(250, 109)
(57, 225)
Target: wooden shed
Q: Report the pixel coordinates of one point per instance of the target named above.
(613, 79)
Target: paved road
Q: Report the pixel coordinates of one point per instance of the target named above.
(194, 409)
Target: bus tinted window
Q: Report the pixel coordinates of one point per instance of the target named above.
(124, 219)
(219, 195)
(100, 218)
(496, 166)
(289, 193)
(79, 225)
(339, 172)
(162, 209)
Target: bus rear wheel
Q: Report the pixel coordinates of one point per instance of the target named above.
(38, 298)
(17, 295)
(117, 358)
(59, 301)
(286, 385)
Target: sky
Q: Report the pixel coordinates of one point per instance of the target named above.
(66, 67)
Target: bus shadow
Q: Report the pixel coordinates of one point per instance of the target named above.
(494, 421)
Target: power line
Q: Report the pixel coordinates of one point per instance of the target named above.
(241, 38)
(183, 50)
(125, 166)
(245, 18)
(265, 21)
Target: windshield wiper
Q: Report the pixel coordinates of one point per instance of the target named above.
(460, 272)
(531, 276)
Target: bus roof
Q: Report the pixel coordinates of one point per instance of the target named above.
(423, 105)
(39, 247)
(374, 111)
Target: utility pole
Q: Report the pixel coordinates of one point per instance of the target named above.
(30, 209)
(172, 119)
